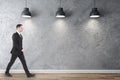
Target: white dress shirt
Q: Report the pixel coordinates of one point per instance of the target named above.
(18, 32)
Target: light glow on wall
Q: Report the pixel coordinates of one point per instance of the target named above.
(29, 32)
(93, 31)
(60, 26)
(92, 25)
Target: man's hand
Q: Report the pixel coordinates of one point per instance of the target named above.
(22, 50)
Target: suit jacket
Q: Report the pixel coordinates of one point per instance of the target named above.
(17, 44)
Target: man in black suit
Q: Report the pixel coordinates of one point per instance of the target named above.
(18, 51)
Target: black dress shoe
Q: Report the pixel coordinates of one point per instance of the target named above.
(30, 75)
(8, 74)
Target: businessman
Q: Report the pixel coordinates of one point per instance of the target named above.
(18, 52)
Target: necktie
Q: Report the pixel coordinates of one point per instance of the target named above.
(20, 35)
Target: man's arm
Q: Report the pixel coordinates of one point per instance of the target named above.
(16, 42)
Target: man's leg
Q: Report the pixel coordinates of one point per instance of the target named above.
(12, 60)
(23, 61)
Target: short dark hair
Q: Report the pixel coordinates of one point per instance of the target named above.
(18, 26)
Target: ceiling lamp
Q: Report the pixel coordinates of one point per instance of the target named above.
(26, 13)
(60, 12)
(94, 13)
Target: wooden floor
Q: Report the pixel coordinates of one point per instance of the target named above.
(63, 76)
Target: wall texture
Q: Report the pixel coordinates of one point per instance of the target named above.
(74, 43)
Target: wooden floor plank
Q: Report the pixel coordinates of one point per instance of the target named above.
(63, 76)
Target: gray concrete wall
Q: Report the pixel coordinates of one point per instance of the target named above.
(76, 42)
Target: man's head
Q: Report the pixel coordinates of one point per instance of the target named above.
(19, 27)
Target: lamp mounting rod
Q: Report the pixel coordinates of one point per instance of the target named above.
(94, 3)
(60, 4)
(26, 3)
